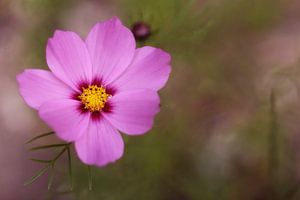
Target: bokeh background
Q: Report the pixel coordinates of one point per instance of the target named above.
(229, 124)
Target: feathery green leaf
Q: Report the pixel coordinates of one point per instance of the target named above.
(51, 176)
(40, 161)
(47, 146)
(37, 175)
(39, 136)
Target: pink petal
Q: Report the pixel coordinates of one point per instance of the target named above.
(68, 58)
(149, 69)
(65, 118)
(102, 144)
(111, 46)
(133, 111)
(39, 86)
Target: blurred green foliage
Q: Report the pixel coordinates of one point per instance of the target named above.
(47, 18)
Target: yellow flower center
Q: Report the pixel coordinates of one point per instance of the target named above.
(94, 98)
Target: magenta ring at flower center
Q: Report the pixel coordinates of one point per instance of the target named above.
(95, 114)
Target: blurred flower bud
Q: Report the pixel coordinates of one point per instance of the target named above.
(141, 31)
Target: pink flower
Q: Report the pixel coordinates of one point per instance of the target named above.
(97, 88)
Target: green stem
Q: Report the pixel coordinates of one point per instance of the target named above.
(70, 167)
(90, 178)
(273, 144)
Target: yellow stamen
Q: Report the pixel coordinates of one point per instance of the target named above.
(94, 98)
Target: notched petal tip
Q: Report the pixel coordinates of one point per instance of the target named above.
(56, 34)
(167, 57)
(98, 163)
(19, 77)
(116, 19)
(59, 32)
(113, 21)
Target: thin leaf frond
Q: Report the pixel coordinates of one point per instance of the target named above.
(39, 136)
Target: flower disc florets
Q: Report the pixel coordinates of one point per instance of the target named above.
(94, 97)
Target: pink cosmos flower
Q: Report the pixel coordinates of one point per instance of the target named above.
(97, 88)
